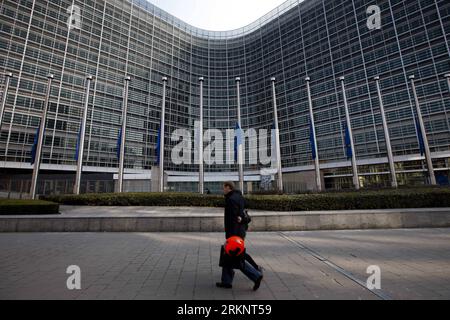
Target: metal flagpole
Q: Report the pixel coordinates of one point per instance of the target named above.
(123, 135)
(277, 137)
(8, 77)
(349, 128)
(161, 146)
(37, 161)
(76, 189)
(200, 153)
(424, 134)
(313, 128)
(394, 182)
(240, 146)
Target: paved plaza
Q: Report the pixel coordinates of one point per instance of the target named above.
(414, 263)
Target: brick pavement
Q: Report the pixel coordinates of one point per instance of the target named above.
(415, 264)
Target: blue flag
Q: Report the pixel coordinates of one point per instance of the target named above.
(312, 141)
(119, 144)
(273, 142)
(158, 147)
(77, 149)
(237, 141)
(420, 138)
(348, 145)
(34, 147)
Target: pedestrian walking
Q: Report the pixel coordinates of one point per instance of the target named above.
(234, 213)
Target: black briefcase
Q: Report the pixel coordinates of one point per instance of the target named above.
(227, 261)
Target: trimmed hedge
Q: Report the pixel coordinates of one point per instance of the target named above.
(368, 199)
(140, 199)
(28, 207)
(385, 199)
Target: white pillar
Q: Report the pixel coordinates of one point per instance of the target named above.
(8, 77)
(201, 174)
(349, 126)
(394, 182)
(240, 148)
(161, 146)
(37, 161)
(123, 135)
(424, 134)
(277, 137)
(313, 128)
(76, 189)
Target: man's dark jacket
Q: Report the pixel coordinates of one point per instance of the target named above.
(234, 207)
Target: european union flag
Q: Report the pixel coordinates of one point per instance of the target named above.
(119, 143)
(420, 138)
(237, 141)
(34, 147)
(77, 149)
(312, 141)
(158, 147)
(273, 141)
(348, 144)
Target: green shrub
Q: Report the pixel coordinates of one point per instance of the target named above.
(140, 199)
(27, 207)
(365, 199)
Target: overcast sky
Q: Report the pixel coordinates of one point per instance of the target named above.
(218, 15)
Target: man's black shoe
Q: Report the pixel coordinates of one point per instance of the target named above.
(223, 285)
(257, 283)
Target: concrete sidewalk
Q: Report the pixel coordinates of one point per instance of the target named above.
(193, 219)
(414, 264)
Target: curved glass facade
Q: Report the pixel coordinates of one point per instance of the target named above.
(322, 39)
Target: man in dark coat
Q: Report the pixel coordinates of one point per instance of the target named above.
(234, 209)
(234, 205)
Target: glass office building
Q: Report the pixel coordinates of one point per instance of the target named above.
(322, 39)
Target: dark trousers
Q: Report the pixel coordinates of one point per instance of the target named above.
(250, 272)
(251, 261)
